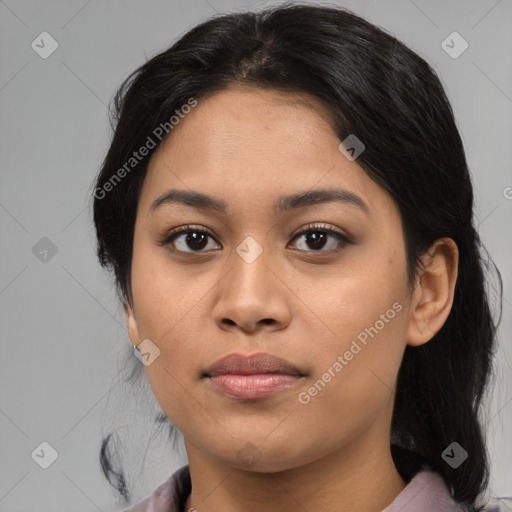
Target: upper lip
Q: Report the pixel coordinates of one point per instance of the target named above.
(239, 364)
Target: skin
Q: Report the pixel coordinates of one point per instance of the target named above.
(249, 147)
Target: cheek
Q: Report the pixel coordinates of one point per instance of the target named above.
(363, 315)
(165, 296)
(165, 306)
(354, 381)
(366, 295)
(363, 345)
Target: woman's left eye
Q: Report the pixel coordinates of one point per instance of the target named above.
(195, 240)
(318, 237)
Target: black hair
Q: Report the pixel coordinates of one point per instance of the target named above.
(388, 96)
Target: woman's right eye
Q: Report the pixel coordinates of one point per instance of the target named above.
(188, 239)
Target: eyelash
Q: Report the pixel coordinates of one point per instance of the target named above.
(310, 228)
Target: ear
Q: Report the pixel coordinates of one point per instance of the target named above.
(434, 291)
(131, 324)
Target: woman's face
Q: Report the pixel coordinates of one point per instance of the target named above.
(337, 311)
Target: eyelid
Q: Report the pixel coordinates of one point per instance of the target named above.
(319, 226)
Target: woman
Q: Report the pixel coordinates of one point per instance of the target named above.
(288, 213)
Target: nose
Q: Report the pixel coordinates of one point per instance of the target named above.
(252, 296)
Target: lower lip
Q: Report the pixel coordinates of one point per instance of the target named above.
(252, 387)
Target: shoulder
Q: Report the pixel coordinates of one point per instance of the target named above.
(427, 490)
(169, 496)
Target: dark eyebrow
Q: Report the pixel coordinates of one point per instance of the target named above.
(282, 205)
(318, 196)
(190, 198)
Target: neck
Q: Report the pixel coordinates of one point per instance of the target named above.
(350, 479)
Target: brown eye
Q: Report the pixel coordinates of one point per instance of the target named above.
(187, 239)
(316, 238)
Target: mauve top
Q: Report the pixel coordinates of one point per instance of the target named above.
(426, 492)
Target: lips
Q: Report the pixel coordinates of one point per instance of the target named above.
(253, 364)
(250, 378)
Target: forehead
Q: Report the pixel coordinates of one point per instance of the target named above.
(244, 121)
(248, 145)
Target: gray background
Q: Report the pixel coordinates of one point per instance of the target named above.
(63, 338)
